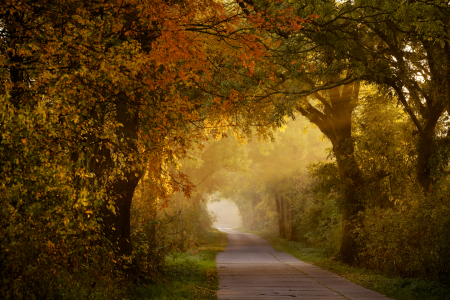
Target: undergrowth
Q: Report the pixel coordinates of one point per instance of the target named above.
(187, 275)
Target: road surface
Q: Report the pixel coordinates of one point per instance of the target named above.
(251, 269)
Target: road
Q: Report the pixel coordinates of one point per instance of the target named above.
(251, 269)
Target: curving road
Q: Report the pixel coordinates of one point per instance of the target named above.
(251, 269)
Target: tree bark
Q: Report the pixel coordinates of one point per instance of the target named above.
(116, 222)
(335, 121)
(430, 114)
(351, 207)
(425, 148)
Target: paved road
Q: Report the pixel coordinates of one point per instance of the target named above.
(251, 269)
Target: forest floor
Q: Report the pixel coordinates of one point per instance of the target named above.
(392, 286)
(188, 275)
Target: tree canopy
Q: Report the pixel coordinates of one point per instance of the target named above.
(111, 107)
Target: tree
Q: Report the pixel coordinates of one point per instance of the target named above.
(93, 91)
(399, 45)
(409, 53)
(309, 64)
(335, 121)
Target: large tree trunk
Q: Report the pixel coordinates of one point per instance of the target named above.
(336, 123)
(116, 211)
(424, 151)
(349, 170)
(123, 189)
(352, 179)
(117, 224)
(423, 158)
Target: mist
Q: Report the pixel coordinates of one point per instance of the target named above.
(245, 180)
(226, 214)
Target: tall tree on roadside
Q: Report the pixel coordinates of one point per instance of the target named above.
(400, 45)
(315, 81)
(407, 49)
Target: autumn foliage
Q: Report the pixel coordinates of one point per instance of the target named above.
(94, 95)
(102, 103)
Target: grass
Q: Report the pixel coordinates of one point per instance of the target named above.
(188, 275)
(392, 286)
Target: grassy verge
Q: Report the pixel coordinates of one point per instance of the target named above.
(391, 286)
(188, 275)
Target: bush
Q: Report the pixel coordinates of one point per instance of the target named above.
(410, 239)
(316, 208)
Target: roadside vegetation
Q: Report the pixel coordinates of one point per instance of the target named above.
(187, 275)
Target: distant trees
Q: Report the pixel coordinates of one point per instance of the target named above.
(258, 177)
